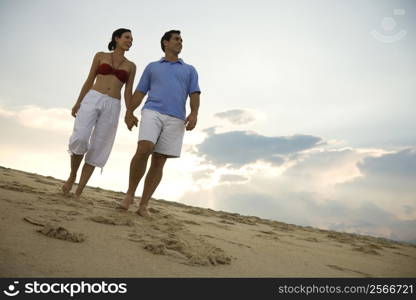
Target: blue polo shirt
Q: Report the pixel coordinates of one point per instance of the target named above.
(168, 84)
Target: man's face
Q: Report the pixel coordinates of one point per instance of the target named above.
(174, 44)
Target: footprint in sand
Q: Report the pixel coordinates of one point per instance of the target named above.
(310, 239)
(18, 187)
(238, 218)
(387, 244)
(402, 254)
(267, 237)
(112, 220)
(283, 227)
(225, 227)
(196, 211)
(44, 182)
(338, 268)
(341, 238)
(155, 248)
(34, 221)
(227, 222)
(207, 256)
(267, 232)
(153, 210)
(368, 249)
(171, 238)
(59, 232)
(226, 240)
(191, 222)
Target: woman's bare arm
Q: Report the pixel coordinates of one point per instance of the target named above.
(129, 86)
(88, 83)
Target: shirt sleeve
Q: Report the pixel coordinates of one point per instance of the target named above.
(144, 83)
(194, 85)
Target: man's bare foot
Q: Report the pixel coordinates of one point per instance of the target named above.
(143, 211)
(126, 202)
(66, 188)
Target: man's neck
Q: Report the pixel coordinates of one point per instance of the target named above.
(169, 56)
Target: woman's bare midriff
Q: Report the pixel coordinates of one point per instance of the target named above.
(109, 85)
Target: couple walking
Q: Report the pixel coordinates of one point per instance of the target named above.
(168, 83)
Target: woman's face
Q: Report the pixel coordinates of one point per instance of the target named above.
(125, 41)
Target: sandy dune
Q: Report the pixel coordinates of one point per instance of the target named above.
(45, 234)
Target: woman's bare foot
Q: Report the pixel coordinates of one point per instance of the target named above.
(126, 202)
(66, 188)
(143, 211)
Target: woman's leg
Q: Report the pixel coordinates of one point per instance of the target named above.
(102, 139)
(86, 173)
(78, 142)
(75, 163)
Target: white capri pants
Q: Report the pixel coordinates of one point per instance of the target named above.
(95, 128)
(165, 131)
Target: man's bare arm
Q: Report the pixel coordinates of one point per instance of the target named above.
(194, 103)
(192, 118)
(130, 119)
(136, 100)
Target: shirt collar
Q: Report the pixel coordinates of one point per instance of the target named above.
(178, 61)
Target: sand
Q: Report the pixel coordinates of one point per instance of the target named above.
(45, 234)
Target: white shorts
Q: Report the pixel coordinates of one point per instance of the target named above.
(95, 128)
(165, 131)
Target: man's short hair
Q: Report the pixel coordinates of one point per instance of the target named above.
(167, 36)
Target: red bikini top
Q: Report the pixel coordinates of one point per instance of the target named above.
(106, 69)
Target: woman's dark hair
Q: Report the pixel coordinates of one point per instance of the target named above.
(118, 33)
(167, 36)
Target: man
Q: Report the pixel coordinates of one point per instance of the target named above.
(168, 81)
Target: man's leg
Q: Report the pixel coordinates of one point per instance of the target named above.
(153, 178)
(137, 169)
(75, 163)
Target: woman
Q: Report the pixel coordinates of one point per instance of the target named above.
(97, 109)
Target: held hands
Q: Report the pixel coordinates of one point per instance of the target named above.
(75, 109)
(190, 121)
(130, 120)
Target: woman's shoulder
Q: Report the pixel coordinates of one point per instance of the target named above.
(100, 55)
(131, 64)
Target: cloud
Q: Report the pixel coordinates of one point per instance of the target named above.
(330, 189)
(323, 168)
(399, 164)
(227, 178)
(16, 135)
(237, 148)
(369, 218)
(388, 181)
(202, 174)
(39, 126)
(236, 116)
(301, 208)
(51, 119)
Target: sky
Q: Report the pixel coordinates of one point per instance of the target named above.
(307, 111)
